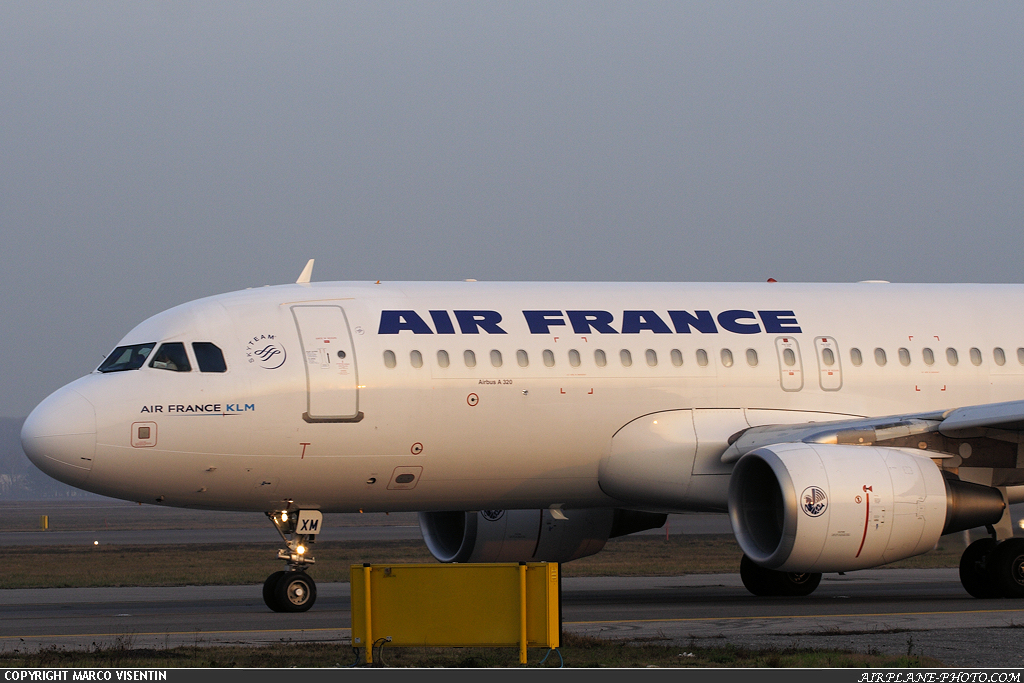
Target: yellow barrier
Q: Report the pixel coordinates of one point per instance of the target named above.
(44, 522)
(455, 605)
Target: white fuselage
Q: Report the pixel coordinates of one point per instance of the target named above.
(392, 427)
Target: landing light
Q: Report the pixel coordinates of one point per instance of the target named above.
(284, 516)
(301, 550)
(1021, 524)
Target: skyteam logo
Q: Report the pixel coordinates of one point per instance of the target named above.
(814, 501)
(266, 352)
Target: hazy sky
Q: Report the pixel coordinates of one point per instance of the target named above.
(156, 152)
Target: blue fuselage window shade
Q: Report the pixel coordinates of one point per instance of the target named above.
(209, 357)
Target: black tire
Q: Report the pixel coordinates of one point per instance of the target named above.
(270, 590)
(796, 584)
(1006, 568)
(755, 578)
(974, 574)
(764, 582)
(295, 592)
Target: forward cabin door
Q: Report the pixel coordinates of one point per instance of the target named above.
(332, 383)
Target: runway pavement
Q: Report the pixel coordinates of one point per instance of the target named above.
(885, 610)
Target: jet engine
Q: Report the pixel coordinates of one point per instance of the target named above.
(801, 507)
(528, 535)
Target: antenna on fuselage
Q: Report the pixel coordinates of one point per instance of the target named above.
(307, 272)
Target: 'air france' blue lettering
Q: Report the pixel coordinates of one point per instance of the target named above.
(730, 322)
(540, 322)
(735, 321)
(585, 322)
(393, 322)
(471, 322)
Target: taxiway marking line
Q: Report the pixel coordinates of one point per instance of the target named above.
(802, 616)
(180, 633)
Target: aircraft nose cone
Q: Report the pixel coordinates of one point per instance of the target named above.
(59, 436)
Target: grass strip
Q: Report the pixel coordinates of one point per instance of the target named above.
(577, 651)
(180, 565)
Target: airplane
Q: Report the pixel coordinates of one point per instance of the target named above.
(840, 426)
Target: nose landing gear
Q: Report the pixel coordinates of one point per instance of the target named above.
(293, 590)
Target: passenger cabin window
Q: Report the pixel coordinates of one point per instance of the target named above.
(389, 359)
(999, 356)
(209, 357)
(789, 357)
(1020, 356)
(726, 358)
(496, 358)
(677, 358)
(171, 356)
(855, 357)
(522, 358)
(130, 358)
(928, 355)
(904, 357)
(574, 358)
(442, 359)
(416, 359)
(975, 356)
(752, 357)
(549, 358)
(652, 357)
(702, 358)
(828, 357)
(626, 357)
(951, 356)
(470, 358)
(880, 358)
(600, 358)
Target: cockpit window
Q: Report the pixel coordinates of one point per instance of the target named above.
(126, 358)
(209, 356)
(171, 356)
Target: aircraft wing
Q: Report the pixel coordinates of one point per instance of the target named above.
(986, 435)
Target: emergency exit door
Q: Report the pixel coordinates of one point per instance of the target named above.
(791, 366)
(332, 383)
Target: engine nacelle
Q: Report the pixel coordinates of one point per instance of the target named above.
(528, 535)
(828, 507)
